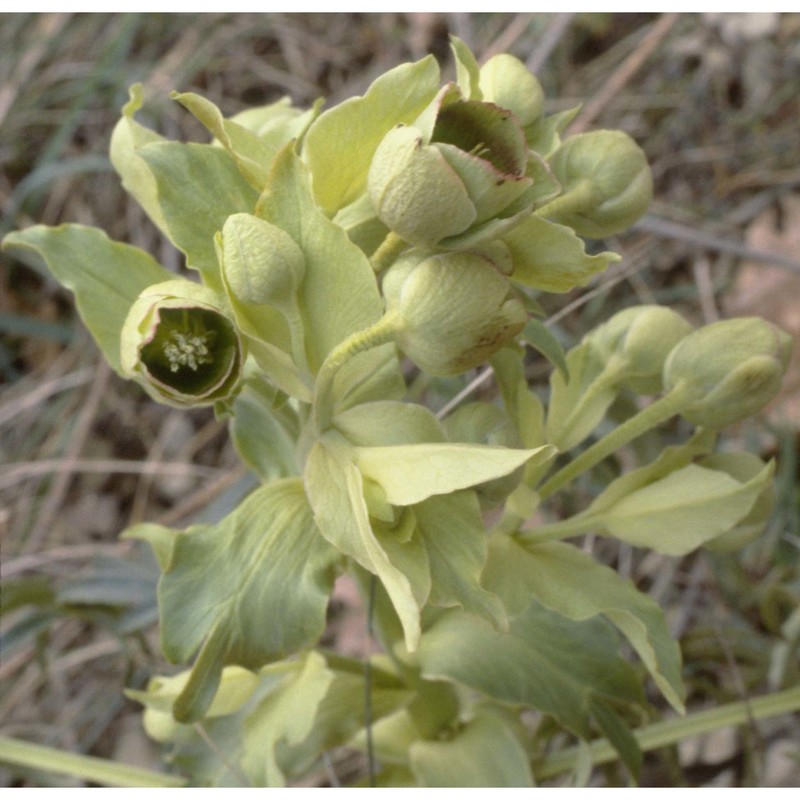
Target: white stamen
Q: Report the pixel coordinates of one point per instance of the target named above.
(187, 350)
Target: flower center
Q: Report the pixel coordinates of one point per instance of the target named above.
(188, 350)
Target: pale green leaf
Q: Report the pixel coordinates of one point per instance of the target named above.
(260, 579)
(389, 422)
(546, 661)
(128, 136)
(453, 531)
(411, 473)
(570, 582)
(105, 276)
(485, 752)
(339, 145)
(286, 715)
(369, 376)
(339, 294)
(336, 493)
(199, 187)
(250, 153)
(263, 438)
(544, 135)
(579, 397)
(551, 257)
(685, 509)
(541, 338)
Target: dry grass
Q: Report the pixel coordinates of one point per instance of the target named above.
(714, 102)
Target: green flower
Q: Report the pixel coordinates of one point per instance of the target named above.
(605, 180)
(452, 311)
(733, 367)
(459, 166)
(179, 344)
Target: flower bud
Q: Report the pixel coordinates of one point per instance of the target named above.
(428, 185)
(743, 467)
(261, 263)
(606, 183)
(180, 345)
(640, 339)
(733, 367)
(453, 311)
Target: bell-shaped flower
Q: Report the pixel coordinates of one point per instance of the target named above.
(452, 311)
(180, 345)
(459, 166)
(731, 369)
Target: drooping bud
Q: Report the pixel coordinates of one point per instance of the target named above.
(734, 367)
(606, 183)
(453, 311)
(180, 345)
(261, 263)
(639, 339)
(460, 165)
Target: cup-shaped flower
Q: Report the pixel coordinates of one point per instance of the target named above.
(606, 183)
(635, 343)
(451, 311)
(181, 346)
(461, 164)
(732, 368)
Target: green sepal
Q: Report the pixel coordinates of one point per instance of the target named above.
(544, 134)
(339, 145)
(105, 276)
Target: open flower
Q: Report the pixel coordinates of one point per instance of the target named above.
(179, 344)
(461, 164)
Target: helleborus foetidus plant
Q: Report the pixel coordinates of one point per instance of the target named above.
(418, 222)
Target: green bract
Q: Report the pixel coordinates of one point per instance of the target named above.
(180, 345)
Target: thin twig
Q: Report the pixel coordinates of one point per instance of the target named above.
(13, 474)
(549, 41)
(675, 230)
(58, 491)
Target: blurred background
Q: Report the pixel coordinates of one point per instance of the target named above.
(714, 101)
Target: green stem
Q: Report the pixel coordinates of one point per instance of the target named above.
(387, 252)
(381, 332)
(672, 731)
(656, 413)
(556, 530)
(17, 753)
